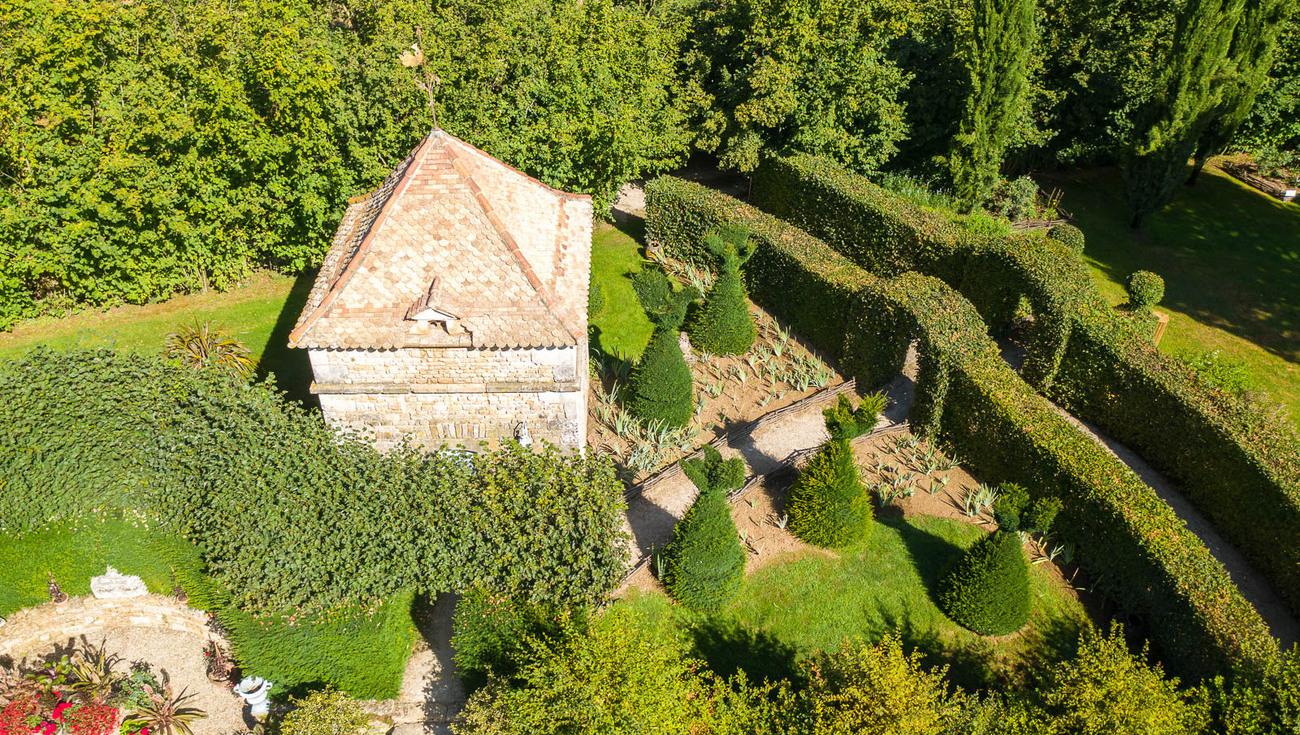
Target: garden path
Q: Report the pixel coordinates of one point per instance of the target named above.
(1254, 587)
(769, 446)
(432, 693)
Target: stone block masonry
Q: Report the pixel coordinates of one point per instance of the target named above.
(454, 396)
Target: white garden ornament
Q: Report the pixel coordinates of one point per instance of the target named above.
(256, 693)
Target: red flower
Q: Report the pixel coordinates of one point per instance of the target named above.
(143, 731)
(93, 719)
(59, 709)
(49, 728)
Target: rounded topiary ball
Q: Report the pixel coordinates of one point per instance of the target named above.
(1145, 289)
(829, 506)
(704, 564)
(1068, 235)
(987, 590)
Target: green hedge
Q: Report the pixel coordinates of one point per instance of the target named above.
(1240, 468)
(288, 517)
(1129, 540)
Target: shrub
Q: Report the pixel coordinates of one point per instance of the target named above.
(1018, 199)
(206, 455)
(661, 388)
(722, 325)
(829, 506)
(877, 690)
(712, 472)
(489, 634)
(1107, 689)
(595, 299)
(1041, 515)
(845, 422)
(325, 712)
(1125, 535)
(987, 590)
(704, 564)
(200, 346)
(1068, 235)
(1240, 466)
(1010, 506)
(1145, 289)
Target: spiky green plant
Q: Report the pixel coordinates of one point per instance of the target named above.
(199, 345)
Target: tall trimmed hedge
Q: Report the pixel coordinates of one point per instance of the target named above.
(1240, 468)
(1130, 540)
(287, 515)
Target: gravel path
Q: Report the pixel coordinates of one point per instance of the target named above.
(1254, 587)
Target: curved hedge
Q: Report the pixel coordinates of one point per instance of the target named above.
(288, 515)
(1240, 468)
(1128, 539)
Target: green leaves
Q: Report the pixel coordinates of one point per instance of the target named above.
(988, 588)
(829, 505)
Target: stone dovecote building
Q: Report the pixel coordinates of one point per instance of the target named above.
(452, 306)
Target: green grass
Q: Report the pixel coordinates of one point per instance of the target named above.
(1230, 257)
(813, 602)
(259, 314)
(621, 328)
(74, 554)
(364, 655)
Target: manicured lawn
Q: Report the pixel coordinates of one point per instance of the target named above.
(364, 655)
(1230, 257)
(815, 601)
(259, 314)
(73, 555)
(621, 326)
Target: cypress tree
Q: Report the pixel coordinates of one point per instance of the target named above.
(1190, 90)
(997, 60)
(704, 564)
(723, 324)
(1254, 44)
(987, 590)
(829, 506)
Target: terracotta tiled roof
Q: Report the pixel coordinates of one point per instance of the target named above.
(456, 231)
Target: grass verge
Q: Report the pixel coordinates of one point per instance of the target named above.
(621, 327)
(814, 601)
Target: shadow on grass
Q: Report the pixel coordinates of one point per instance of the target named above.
(931, 555)
(728, 646)
(290, 367)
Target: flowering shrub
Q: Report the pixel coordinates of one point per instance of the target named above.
(21, 716)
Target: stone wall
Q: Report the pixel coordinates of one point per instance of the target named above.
(454, 396)
(38, 629)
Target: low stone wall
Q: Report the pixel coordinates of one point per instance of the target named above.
(35, 630)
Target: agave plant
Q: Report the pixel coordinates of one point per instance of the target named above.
(200, 346)
(165, 713)
(92, 674)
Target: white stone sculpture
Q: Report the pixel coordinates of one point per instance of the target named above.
(113, 585)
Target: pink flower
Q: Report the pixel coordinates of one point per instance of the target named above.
(49, 728)
(143, 731)
(59, 709)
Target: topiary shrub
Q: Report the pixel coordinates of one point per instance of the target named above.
(704, 564)
(660, 389)
(845, 422)
(712, 472)
(1068, 235)
(1041, 515)
(723, 325)
(595, 299)
(987, 590)
(1010, 505)
(1145, 289)
(829, 506)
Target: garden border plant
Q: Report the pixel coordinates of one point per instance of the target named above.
(1240, 467)
(1139, 551)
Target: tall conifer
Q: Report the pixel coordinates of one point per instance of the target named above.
(997, 58)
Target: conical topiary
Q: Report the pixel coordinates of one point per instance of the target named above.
(987, 590)
(723, 325)
(660, 387)
(703, 565)
(828, 503)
